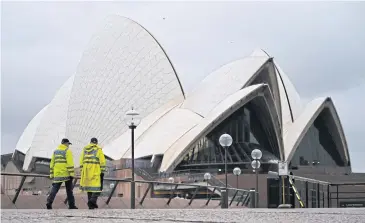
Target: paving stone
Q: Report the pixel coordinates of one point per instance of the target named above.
(39, 202)
(246, 215)
(29, 202)
(6, 202)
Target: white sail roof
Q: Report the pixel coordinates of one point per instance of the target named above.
(124, 66)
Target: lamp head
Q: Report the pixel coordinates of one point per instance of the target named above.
(255, 164)
(207, 176)
(237, 171)
(256, 154)
(132, 118)
(225, 140)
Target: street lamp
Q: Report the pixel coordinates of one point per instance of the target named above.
(256, 155)
(237, 172)
(132, 120)
(207, 177)
(226, 141)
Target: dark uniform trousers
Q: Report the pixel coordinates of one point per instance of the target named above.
(69, 191)
(92, 197)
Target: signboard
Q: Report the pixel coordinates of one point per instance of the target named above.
(352, 204)
(283, 168)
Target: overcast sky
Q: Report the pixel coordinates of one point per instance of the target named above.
(321, 47)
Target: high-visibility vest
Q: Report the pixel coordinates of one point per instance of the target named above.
(92, 164)
(62, 164)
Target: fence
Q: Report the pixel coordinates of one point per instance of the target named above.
(191, 176)
(347, 195)
(243, 197)
(315, 193)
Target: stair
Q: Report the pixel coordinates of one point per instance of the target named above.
(144, 174)
(191, 178)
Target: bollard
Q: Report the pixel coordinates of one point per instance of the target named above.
(224, 197)
(253, 198)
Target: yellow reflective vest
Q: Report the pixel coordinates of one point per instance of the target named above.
(92, 164)
(62, 164)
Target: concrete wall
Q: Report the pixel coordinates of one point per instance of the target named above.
(124, 189)
(248, 181)
(31, 184)
(11, 183)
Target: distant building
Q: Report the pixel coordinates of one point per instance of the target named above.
(13, 163)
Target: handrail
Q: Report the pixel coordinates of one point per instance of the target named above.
(123, 180)
(24, 174)
(218, 182)
(197, 175)
(143, 173)
(348, 184)
(150, 185)
(309, 180)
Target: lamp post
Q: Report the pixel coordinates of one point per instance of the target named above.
(256, 155)
(132, 119)
(207, 177)
(237, 172)
(226, 141)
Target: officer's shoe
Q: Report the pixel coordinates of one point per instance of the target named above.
(90, 205)
(49, 206)
(73, 207)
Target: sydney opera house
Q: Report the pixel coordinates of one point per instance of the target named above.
(252, 99)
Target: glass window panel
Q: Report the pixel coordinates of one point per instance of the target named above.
(247, 133)
(317, 148)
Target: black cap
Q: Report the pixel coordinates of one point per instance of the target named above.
(64, 141)
(94, 140)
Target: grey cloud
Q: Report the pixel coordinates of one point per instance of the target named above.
(320, 45)
(351, 111)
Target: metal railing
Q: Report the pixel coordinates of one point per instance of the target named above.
(309, 180)
(199, 177)
(353, 196)
(323, 194)
(179, 173)
(243, 197)
(144, 174)
(314, 193)
(191, 177)
(217, 182)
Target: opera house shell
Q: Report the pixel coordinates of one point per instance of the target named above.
(252, 99)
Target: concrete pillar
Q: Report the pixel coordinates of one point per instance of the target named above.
(224, 197)
(253, 198)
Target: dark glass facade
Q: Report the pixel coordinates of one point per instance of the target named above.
(248, 132)
(318, 147)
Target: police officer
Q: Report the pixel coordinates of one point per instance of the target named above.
(92, 164)
(62, 170)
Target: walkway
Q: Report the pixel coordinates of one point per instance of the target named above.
(185, 216)
(38, 202)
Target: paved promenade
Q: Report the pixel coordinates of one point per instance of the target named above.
(184, 216)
